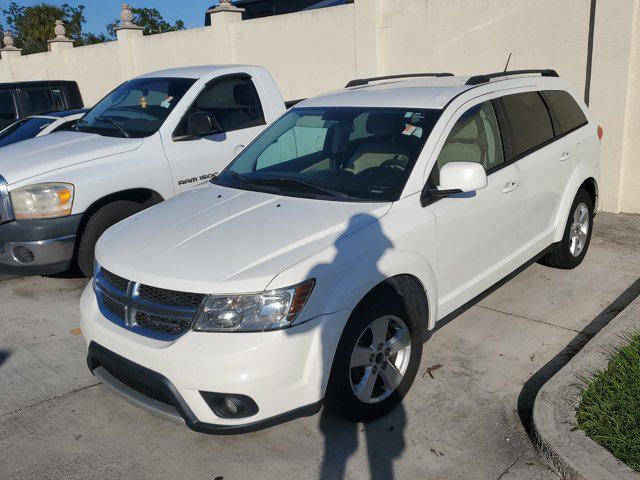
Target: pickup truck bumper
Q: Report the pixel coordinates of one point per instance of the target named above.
(38, 247)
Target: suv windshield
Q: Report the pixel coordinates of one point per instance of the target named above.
(337, 153)
(136, 108)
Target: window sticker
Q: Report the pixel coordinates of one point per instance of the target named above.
(166, 103)
(412, 130)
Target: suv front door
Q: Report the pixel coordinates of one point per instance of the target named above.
(234, 103)
(477, 233)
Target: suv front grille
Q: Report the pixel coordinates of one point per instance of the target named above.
(170, 297)
(149, 311)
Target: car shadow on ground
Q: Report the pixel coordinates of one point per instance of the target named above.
(4, 356)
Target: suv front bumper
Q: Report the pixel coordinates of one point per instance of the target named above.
(284, 372)
(38, 247)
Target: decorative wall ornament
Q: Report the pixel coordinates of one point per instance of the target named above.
(126, 16)
(59, 29)
(8, 41)
(126, 19)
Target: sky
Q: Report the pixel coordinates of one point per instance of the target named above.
(101, 12)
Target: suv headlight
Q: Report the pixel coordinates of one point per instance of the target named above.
(42, 200)
(257, 312)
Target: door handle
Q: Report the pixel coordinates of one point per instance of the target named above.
(510, 186)
(565, 156)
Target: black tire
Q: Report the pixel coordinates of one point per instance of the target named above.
(100, 221)
(341, 398)
(560, 255)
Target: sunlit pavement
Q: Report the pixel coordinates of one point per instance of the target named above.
(463, 419)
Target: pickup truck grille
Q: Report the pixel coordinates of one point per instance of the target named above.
(150, 311)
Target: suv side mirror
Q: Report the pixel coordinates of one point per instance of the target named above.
(457, 177)
(201, 124)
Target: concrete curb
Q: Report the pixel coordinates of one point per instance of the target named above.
(569, 452)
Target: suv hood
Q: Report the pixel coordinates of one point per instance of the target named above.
(221, 240)
(36, 156)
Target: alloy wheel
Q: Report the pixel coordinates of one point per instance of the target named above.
(380, 359)
(579, 230)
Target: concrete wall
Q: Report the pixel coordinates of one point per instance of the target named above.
(319, 50)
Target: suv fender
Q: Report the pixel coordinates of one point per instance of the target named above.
(344, 288)
(582, 175)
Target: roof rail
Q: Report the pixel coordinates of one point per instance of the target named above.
(479, 79)
(365, 81)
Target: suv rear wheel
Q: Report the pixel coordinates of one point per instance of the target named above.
(101, 220)
(571, 250)
(376, 360)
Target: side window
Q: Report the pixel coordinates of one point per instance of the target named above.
(528, 121)
(475, 137)
(568, 114)
(233, 101)
(7, 107)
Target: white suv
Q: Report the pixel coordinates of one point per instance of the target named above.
(313, 267)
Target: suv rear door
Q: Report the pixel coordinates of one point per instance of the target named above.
(544, 159)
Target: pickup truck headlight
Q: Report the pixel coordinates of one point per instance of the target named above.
(42, 200)
(257, 312)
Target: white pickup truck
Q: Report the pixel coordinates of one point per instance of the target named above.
(149, 139)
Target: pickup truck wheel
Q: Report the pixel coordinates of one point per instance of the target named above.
(571, 250)
(100, 221)
(376, 361)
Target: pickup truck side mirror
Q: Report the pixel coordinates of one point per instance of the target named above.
(456, 177)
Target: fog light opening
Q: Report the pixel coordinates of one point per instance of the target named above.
(226, 405)
(23, 254)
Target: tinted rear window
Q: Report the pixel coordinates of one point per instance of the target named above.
(569, 115)
(528, 121)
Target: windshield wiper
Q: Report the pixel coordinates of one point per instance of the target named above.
(116, 124)
(287, 180)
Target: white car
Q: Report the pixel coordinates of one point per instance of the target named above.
(314, 266)
(152, 137)
(40, 125)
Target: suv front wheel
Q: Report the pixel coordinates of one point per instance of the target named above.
(376, 360)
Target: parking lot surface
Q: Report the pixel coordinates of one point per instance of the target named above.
(464, 418)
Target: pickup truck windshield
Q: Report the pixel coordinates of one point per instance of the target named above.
(337, 153)
(136, 108)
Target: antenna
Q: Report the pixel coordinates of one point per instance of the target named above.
(508, 60)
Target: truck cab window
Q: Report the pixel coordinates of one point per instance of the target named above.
(233, 101)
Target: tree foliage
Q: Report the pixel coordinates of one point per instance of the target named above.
(150, 20)
(33, 26)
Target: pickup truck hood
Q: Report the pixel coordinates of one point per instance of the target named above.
(36, 156)
(220, 240)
